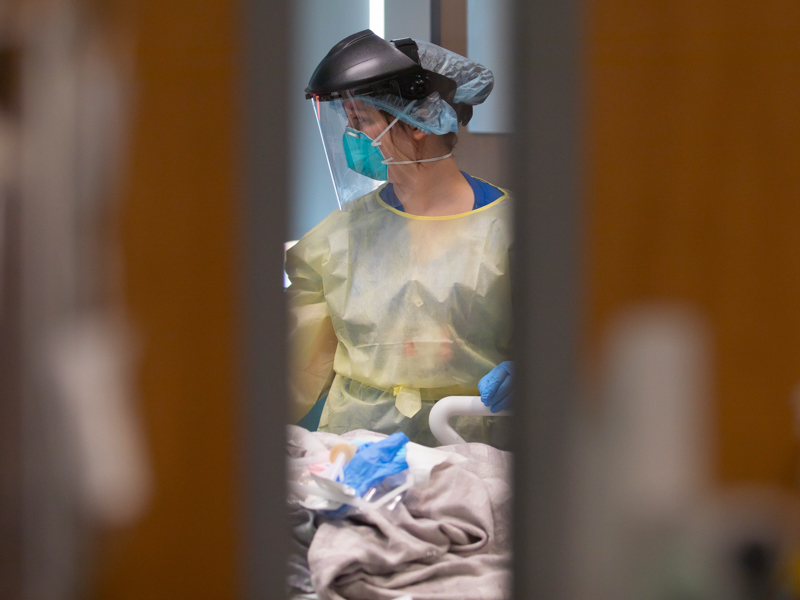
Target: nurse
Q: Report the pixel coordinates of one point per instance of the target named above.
(401, 297)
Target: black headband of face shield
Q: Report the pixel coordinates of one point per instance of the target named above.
(417, 84)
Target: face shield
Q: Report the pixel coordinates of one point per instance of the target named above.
(365, 84)
(360, 148)
(354, 137)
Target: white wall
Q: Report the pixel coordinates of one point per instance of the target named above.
(408, 18)
(318, 26)
(489, 43)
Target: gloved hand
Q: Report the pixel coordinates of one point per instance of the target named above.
(496, 387)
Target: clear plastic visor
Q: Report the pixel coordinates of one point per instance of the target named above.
(351, 131)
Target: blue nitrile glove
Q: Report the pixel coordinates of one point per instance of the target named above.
(496, 387)
(375, 462)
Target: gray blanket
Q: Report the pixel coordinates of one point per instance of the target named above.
(448, 540)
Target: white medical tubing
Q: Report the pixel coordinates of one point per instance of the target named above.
(451, 406)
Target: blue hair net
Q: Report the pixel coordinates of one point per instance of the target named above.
(434, 115)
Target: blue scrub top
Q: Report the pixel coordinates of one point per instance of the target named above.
(485, 193)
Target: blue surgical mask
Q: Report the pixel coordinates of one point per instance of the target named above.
(364, 155)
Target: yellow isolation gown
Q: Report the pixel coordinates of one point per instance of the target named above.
(390, 312)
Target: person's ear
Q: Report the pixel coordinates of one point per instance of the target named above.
(417, 134)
